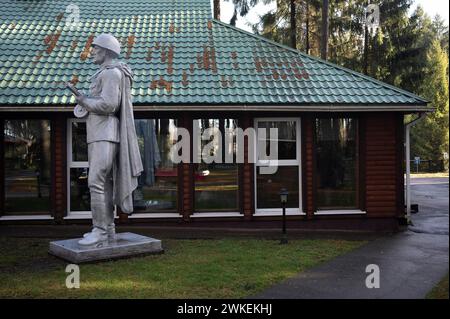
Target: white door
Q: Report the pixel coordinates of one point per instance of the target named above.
(288, 166)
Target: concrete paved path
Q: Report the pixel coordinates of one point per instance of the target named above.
(411, 263)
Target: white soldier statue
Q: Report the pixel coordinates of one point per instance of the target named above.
(113, 152)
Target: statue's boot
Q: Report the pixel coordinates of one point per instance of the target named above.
(110, 230)
(103, 212)
(97, 238)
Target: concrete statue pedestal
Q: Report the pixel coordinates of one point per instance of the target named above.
(125, 245)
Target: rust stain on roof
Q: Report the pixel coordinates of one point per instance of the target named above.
(210, 25)
(206, 61)
(185, 81)
(59, 16)
(258, 64)
(74, 79)
(199, 61)
(230, 80)
(191, 68)
(305, 74)
(161, 83)
(226, 82)
(51, 40)
(74, 45)
(223, 81)
(87, 48)
(163, 54)
(297, 73)
(301, 75)
(12, 25)
(130, 43)
(172, 28)
(275, 74)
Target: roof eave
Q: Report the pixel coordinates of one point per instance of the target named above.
(331, 108)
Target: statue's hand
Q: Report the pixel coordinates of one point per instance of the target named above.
(80, 99)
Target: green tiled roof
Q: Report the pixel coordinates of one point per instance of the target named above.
(179, 55)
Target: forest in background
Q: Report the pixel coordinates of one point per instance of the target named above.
(407, 50)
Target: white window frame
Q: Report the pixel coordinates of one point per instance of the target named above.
(297, 162)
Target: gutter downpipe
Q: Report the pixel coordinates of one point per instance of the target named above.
(408, 164)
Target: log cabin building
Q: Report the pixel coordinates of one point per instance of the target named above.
(341, 133)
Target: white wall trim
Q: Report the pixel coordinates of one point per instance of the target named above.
(26, 217)
(340, 212)
(154, 215)
(217, 214)
(279, 212)
(78, 215)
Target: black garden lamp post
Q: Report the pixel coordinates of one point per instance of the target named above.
(283, 198)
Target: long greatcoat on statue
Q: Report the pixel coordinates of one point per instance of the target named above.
(128, 164)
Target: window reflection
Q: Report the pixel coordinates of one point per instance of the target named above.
(336, 163)
(79, 142)
(27, 166)
(216, 184)
(157, 185)
(269, 186)
(287, 139)
(80, 197)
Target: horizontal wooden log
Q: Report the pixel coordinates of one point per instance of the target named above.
(380, 188)
(378, 204)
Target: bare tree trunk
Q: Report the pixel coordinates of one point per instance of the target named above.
(217, 9)
(324, 44)
(293, 25)
(366, 50)
(307, 27)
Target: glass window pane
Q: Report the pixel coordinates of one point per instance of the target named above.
(157, 185)
(216, 184)
(336, 163)
(269, 186)
(27, 166)
(80, 198)
(287, 137)
(79, 143)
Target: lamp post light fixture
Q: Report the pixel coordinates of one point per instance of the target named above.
(284, 198)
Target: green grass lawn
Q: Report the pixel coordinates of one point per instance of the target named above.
(207, 268)
(440, 291)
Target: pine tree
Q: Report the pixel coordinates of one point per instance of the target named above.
(430, 138)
